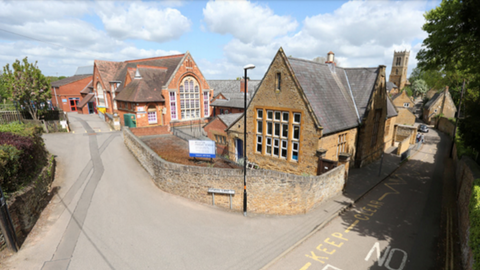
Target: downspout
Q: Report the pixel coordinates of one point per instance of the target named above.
(353, 99)
(56, 98)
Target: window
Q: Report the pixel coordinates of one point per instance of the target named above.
(399, 60)
(189, 98)
(73, 104)
(278, 81)
(342, 144)
(206, 106)
(406, 104)
(278, 140)
(173, 105)
(220, 139)
(396, 71)
(152, 115)
(221, 111)
(100, 95)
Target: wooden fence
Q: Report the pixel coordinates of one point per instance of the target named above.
(10, 116)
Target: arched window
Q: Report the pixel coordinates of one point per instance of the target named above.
(189, 98)
(396, 71)
(100, 95)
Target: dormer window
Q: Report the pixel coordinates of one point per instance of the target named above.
(278, 81)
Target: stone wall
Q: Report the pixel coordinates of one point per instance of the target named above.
(403, 146)
(466, 171)
(269, 192)
(26, 205)
(445, 126)
(405, 117)
(402, 132)
(389, 132)
(147, 131)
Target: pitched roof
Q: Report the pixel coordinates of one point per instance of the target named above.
(68, 80)
(85, 70)
(391, 110)
(107, 70)
(329, 90)
(390, 85)
(85, 100)
(87, 88)
(229, 119)
(148, 88)
(433, 100)
(230, 89)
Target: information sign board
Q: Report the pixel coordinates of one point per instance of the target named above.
(201, 149)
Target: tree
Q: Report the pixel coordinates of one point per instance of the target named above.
(27, 86)
(433, 78)
(4, 93)
(419, 87)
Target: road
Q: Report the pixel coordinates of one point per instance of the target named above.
(108, 214)
(394, 226)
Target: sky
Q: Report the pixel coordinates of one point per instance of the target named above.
(222, 36)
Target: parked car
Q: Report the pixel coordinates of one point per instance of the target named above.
(423, 128)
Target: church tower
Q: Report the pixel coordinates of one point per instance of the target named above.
(398, 75)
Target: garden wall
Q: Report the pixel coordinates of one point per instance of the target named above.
(26, 205)
(269, 192)
(446, 126)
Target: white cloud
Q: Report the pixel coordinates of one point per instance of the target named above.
(250, 23)
(145, 21)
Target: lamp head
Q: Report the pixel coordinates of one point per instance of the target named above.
(251, 66)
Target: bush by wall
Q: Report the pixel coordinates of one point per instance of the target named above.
(474, 213)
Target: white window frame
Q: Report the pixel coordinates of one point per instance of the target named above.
(270, 111)
(279, 116)
(259, 143)
(406, 104)
(148, 117)
(283, 116)
(298, 151)
(206, 104)
(276, 145)
(260, 114)
(293, 120)
(283, 129)
(275, 129)
(267, 145)
(284, 148)
(266, 131)
(174, 101)
(259, 126)
(293, 132)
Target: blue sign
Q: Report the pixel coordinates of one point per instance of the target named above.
(201, 149)
(64, 100)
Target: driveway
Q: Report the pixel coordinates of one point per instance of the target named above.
(108, 214)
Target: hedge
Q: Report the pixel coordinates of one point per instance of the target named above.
(474, 211)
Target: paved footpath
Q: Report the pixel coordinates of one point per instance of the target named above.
(108, 214)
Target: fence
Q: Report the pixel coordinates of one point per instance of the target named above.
(10, 116)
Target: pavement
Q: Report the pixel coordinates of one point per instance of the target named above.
(108, 214)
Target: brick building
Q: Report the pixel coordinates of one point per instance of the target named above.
(405, 107)
(66, 92)
(230, 94)
(154, 91)
(440, 103)
(216, 131)
(307, 117)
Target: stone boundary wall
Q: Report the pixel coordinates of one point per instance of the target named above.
(445, 126)
(402, 132)
(403, 146)
(466, 171)
(26, 206)
(147, 131)
(269, 192)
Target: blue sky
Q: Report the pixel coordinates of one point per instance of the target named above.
(222, 36)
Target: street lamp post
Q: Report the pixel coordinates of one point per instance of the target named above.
(247, 67)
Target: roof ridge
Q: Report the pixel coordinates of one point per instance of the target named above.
(152, 67)
(155, 58)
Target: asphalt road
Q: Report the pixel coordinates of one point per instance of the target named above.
(395, 226)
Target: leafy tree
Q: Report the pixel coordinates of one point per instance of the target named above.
(408, 90)
(28, 86)
(419, 87)
(433, 78)
(4, 93)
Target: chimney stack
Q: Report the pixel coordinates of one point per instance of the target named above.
(446, 88)
(330, 58)
(242, 85)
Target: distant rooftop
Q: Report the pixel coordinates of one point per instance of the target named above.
(85, 70)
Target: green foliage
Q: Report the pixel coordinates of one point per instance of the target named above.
(462, 148)
(419, 87)
(28, 130)
(27, 86)
(4, 93)
(474, 214)
(9, 164)
(408, 90)
(433, 78)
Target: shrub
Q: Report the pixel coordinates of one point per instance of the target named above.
(474, 213)
(9, 164)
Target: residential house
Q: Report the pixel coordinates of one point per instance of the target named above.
(392, 89)
(230, 95)
(215, 130)
(307, 117)
(405, 107)
(155, 91)
(440, 104)
(66, 92)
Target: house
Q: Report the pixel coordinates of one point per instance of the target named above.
(150, 92)
(307, 117)
(405, 107)
(392, 89)
(230, 95)
(430, 93)
(66, 92)
(392, 114)
(440, 104)
(215, 130)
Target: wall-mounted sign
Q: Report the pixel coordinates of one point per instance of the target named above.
(64, 100)
(201, 149)
(140, 108)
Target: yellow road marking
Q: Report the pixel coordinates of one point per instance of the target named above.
(73, 131)
(352, 225)
(306, 266)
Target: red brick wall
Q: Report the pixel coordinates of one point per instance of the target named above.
(71, 90)
(142, 118)
(217, 127)
(230, 110)
(154, 130)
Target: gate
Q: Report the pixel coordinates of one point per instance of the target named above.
(325, 165)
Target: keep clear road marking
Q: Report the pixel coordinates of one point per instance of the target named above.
(381, 259)
(365, 213)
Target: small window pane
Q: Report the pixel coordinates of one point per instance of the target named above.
(285, 130)
(285, 116)
(277, 116)
(296, 132)
(269, 128)
(269, 146)
(269, 115)
(259, 144)
(259, 126)
(277, 129)
(259, 114)
(296, 118)
(276, 147)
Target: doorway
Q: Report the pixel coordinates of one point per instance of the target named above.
(73, 104)
(239, 148)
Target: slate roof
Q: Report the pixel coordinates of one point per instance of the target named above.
(230, 89)
(107, 70)
(391, 110)
(146, 89)
(88, 88)
(85, 70)
(85, 100)
(69, 80)
(229, 119)
(433, 99)
(390, 85)
(329, 90)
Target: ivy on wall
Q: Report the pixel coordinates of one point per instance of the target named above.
(474, 213)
